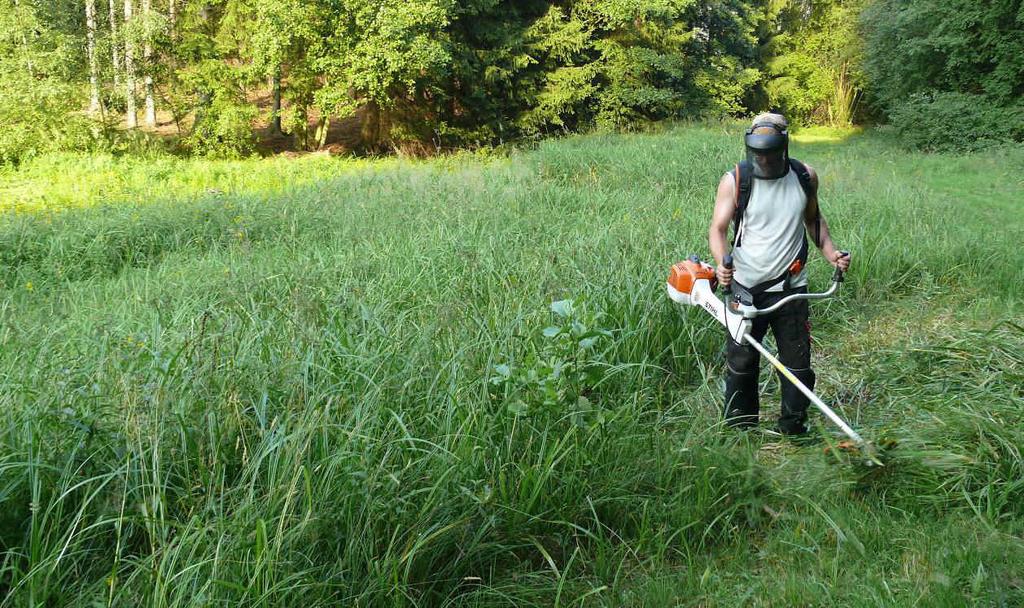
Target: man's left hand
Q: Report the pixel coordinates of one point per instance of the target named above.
(840, 261)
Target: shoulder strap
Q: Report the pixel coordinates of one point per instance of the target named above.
(744, 182)
(811, 190)
(804, 176)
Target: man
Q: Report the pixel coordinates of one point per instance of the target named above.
(769, 256)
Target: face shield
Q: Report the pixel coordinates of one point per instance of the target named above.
(768, 153)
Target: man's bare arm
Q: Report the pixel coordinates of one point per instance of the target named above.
(725, 204)
(811, 224)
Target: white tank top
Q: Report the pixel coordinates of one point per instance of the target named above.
(771, 232)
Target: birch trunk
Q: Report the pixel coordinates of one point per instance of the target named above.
(90, 35)
(172, 14)
(24, 46)
(129, 69)
(147, 54)
(114, 49)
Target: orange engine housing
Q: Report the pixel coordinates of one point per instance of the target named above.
(684, 274)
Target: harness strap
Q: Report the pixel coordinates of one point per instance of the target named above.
(812, 193)
(746, 294)
(744, 185)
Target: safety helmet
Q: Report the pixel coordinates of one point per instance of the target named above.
(767, 144)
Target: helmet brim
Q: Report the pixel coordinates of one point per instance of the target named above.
(765, 142)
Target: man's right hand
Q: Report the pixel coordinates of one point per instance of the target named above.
(724, 275)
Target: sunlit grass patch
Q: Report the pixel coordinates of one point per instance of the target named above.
(822, 134)
(68, 181)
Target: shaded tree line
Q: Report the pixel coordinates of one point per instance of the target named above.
(948, 75)
(447, 73)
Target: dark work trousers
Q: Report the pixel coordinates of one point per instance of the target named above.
(791, 328)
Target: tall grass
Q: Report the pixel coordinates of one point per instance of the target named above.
(842, 100)
(460, 384)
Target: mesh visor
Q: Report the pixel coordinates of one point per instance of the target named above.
(768, 154)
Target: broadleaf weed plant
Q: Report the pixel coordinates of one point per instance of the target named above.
(556, 376)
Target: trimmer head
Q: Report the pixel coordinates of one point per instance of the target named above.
(866, 454)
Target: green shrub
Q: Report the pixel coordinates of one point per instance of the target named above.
(945, 122)
(224, 131)
(40, 115)
(223, 116)
(916, 46)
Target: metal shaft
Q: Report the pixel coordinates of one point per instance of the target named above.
(803, 389)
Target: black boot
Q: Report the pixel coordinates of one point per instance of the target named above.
(741, 400)
(793, 420)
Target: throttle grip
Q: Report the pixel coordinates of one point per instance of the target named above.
(837, 276)
(727, 262)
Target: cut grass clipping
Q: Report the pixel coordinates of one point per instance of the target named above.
(459, 383)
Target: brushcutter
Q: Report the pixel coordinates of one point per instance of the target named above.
(693, 282)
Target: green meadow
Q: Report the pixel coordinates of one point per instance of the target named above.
(458, 382)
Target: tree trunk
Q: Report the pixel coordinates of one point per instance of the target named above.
(24, 46)
(147, 54)
(301, 131)
(370, 130)
(90, 35)
(129, 69)
(113, 45)
(322, 127)
(275, 85)
(172, 15)
(205, 95)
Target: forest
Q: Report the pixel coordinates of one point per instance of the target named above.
(227, 78)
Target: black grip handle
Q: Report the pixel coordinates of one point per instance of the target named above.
(727, 263)
(837, 276)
